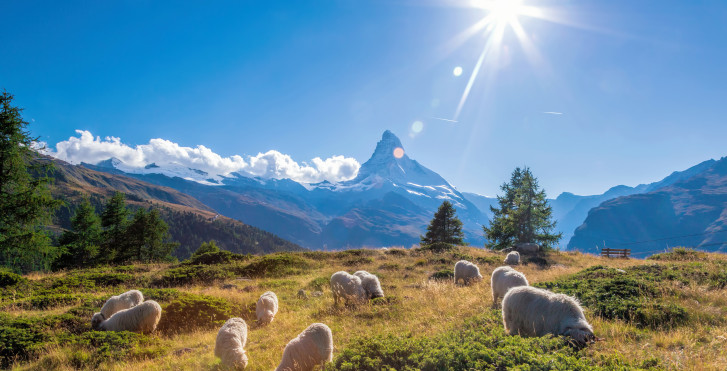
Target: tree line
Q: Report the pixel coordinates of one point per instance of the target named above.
(523, 216)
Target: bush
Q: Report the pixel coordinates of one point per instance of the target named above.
(680, 254)
(396, 252)
(218, 257)
(276, 265)
(19, 344)
(160, 295)
(444, 274)
(319, 283)
(390, 266)
(358, 261)
(194, 274)
(8, 278)
(43, 302)
(480, 344)
(489, 260)
(629, 295)
(190, 312)
(105, 346)
(437, 247)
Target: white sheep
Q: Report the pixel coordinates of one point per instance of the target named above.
(141, 318)
(503, 279)
(348, 287)
(467, 272)
(512, 258)
(529, 311)
(313, 347)
(116, 303)
(266, 307)
(230, 343)
(371, 284)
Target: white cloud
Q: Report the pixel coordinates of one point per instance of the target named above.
(271, 164)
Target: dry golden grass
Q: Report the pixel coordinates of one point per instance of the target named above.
(422, 307)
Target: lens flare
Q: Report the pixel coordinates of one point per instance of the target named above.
(457, 71)
(398, 152)
(417, 126)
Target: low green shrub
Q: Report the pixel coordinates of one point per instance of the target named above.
(489, 260)
(679, 254)
(358, 261)
(8, 278)
(218, 257)
(193, 274)
(94, 348)
(480, 344)
(629, 295)
(390, 267)
(396, 252)
(319, 283)
(160, 295)
(190, 312)
(17, 343)
(275, 265)
(444, 274)
(437, 247)
(43, 302)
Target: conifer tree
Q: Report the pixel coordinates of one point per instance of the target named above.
(444, 227)
(206, 247)
(81, 243)
(523, 215)
(115, 221)
(25, 200)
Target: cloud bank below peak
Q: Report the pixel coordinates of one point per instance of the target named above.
(161, 152)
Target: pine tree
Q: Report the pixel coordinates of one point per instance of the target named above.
(81, 243)
(523, 216)
(445, 227)
(147, 237)
(206, 247)
(115, 221)
(25, 200)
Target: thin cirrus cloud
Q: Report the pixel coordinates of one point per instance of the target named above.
(271, 164)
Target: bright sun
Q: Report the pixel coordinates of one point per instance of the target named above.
(504, 11)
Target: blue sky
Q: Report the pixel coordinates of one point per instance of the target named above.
(640, 84)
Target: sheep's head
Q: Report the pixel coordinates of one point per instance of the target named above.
(266, 317)
(581, 335)
(96, 321)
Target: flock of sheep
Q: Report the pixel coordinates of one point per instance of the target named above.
(526, 311)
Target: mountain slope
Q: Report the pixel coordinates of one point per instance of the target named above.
(389, 202)
(191, 222)
(694, 209)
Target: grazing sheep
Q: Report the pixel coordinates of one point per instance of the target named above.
(302, 294)
(230, 343)
(503, 279)
(313, 347)
(371, 284)
(512, 258)
(348, 287)
(116, 303)
(141, 318)
(467, 272)
(266, 307)
(529, 311)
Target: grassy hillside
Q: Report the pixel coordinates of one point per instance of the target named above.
(190, 221)
(663, 313)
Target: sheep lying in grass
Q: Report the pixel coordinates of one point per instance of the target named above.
(512, 258)
(313, 347)
(116, 303)
(503, 279)
(348, 287)
(466, 271)
(529, 311)
(141, 318)
(371, 284)
(230, 343)
(266, 307)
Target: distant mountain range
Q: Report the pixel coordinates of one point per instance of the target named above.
(190, 221)
(389, 202)
(684, 211)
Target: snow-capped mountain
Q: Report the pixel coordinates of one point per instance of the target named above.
(389, 202)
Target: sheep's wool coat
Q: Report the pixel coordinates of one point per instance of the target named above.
(266, 307)
(230, 343)
(371, 284)
(347, 287)
(116, 303)
(512, 258)
(529, 311)
(467, 272)
(313, 347)
(141, 318)
(504, 279)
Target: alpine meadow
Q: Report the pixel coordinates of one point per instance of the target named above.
(379, 185)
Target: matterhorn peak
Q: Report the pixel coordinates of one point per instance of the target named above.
(387, 145)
